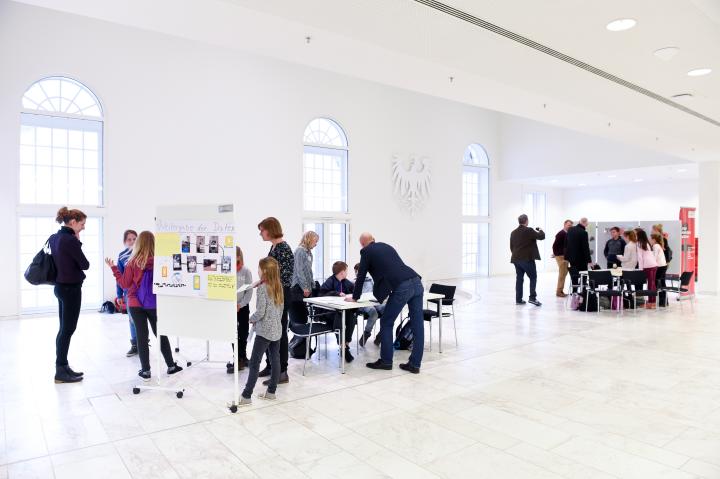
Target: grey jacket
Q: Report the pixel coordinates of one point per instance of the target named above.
(244, 276)
(267, 316)
(302, 273)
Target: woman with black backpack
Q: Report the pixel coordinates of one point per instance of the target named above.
(70, 262)
(137, 280)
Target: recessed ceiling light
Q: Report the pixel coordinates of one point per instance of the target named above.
(666, 53)
(698, 72)
(612, 176)
(582, 184)
(621, 24)
(553, 181)
(681, 170)
(638, 180)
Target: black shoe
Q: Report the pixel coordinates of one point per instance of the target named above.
(284, 379)
(145, 375)
(132, 351)
(364, 338)
(379, 364)
(230, 367)
(63, 376)
(535, 302)
(348, 357)
(73, 373)
(520, 302)
(409, 368)
(264, 373)
(377, 340)
(174, 369)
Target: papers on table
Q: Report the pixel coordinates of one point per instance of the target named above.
(368, 297)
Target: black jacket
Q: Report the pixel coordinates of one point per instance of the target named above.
(69, 259)
(333, 287)
(385, 266)
(523, 244)
(614, 247)
(577, 247)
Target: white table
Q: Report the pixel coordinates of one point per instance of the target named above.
(337, 303)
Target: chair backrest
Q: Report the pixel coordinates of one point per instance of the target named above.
(686, 277)
(445, 290)
(637, 277)
(601, 278)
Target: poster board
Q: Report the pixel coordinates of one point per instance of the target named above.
(192, 314)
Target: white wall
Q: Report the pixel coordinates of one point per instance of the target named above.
(639, 202)
(190, 123)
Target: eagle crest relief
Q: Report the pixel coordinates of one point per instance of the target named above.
(412, 184)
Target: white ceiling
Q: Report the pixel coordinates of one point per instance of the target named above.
(627, 176)
(406, 44)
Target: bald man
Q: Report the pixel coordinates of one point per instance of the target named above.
(577, 250)
(401, 285)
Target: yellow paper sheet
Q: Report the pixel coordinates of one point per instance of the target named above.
(221, 286)
(167, 244)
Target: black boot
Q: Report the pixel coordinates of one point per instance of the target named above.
(133, 349)
(63, 376)
(75, 374)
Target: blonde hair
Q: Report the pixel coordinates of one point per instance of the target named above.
(143, 250)
(631, 235)
(658, 238)
(270, 271)
(307, 238)
(659, 228)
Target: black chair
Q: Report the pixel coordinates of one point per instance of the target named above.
(634, 281)
(603, 284)
(448, 300)
(312, 329)
(679, 285)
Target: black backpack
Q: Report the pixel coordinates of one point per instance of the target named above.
(668, 254)
(588, 302)
(403, 335)
(296, 348)
(42, 270)
(107, 307)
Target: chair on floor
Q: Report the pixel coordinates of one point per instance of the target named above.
(603, 284)
(634, 282)
(448, 300)
(314, 328)
(679, 285)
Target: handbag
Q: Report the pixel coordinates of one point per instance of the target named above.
(42, 270)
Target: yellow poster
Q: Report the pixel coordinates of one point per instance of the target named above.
(221, 286)
(228, 241)
(167, 244)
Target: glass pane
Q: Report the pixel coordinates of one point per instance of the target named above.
(91, 159)
(60, 156)
(27, 155)
(60, 185)
(43, 156)
(484, 192)
(43, 136)
(43, 181)
(75, 158)
(59, 137)
(27, 184)
(75, 139)
(27, 135)
(90, 140)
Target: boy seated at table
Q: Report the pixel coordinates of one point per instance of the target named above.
(372, 313)
(339, 285)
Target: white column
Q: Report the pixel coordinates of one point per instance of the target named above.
(709, 227)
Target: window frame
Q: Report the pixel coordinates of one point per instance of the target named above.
(484, 170)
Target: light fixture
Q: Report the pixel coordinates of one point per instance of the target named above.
(621, 24)
(637, 180)
(582, 184)
(698, 72)
(666, 53)
(612, 176)
(681, 170)
(553, 181)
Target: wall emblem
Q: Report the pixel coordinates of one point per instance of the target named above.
(411, 183)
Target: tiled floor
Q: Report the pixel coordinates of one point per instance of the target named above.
(530, 393)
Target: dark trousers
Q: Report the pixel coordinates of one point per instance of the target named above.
(523, 268)
(284, 338)
(243, 329)
(409, 292)
(298, 309)
(660, 279)
(336, 321)
(69, 298)
(575, 275)
(262, 346)
(142, 317)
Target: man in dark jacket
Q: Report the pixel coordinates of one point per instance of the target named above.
(577, 250)
(401, 285)
(523, 246)
(558, 248)
(615, 246)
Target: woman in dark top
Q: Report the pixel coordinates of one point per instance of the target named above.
(270, 230)
(66, 250)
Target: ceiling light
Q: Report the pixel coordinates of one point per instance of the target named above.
(666, 53)
(698, 72)
(638, 180)
(582, 184)
(621, 24)
(681, 170)
(612, 176)
(553, 181)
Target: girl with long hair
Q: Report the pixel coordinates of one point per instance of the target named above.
(647, 263)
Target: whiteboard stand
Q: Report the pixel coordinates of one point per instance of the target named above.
(179, 391)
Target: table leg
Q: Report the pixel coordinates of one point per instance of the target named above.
(236, 355)
(342, 343)
(439, 311)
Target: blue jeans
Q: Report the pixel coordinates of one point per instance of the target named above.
(133, 331)
(409, 292)
(523, 268)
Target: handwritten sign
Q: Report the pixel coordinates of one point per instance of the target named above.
(221, 286)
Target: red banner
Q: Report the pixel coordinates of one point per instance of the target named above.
(689, 251)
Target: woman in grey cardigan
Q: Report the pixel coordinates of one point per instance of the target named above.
(302, 282)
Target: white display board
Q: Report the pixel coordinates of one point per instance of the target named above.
(192, 315)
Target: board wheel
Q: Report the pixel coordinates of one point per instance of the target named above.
(233, 409)
(189, 363)
(179, 394)
(136, 390)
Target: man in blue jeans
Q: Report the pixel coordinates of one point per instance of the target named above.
(401, 285)
(523, 246)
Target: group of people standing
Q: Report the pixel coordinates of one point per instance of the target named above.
(285, 279)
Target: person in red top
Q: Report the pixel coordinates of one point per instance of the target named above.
(140, 264)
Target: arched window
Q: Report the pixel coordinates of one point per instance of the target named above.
(325, 191)
(476, 211)
(61, 138)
